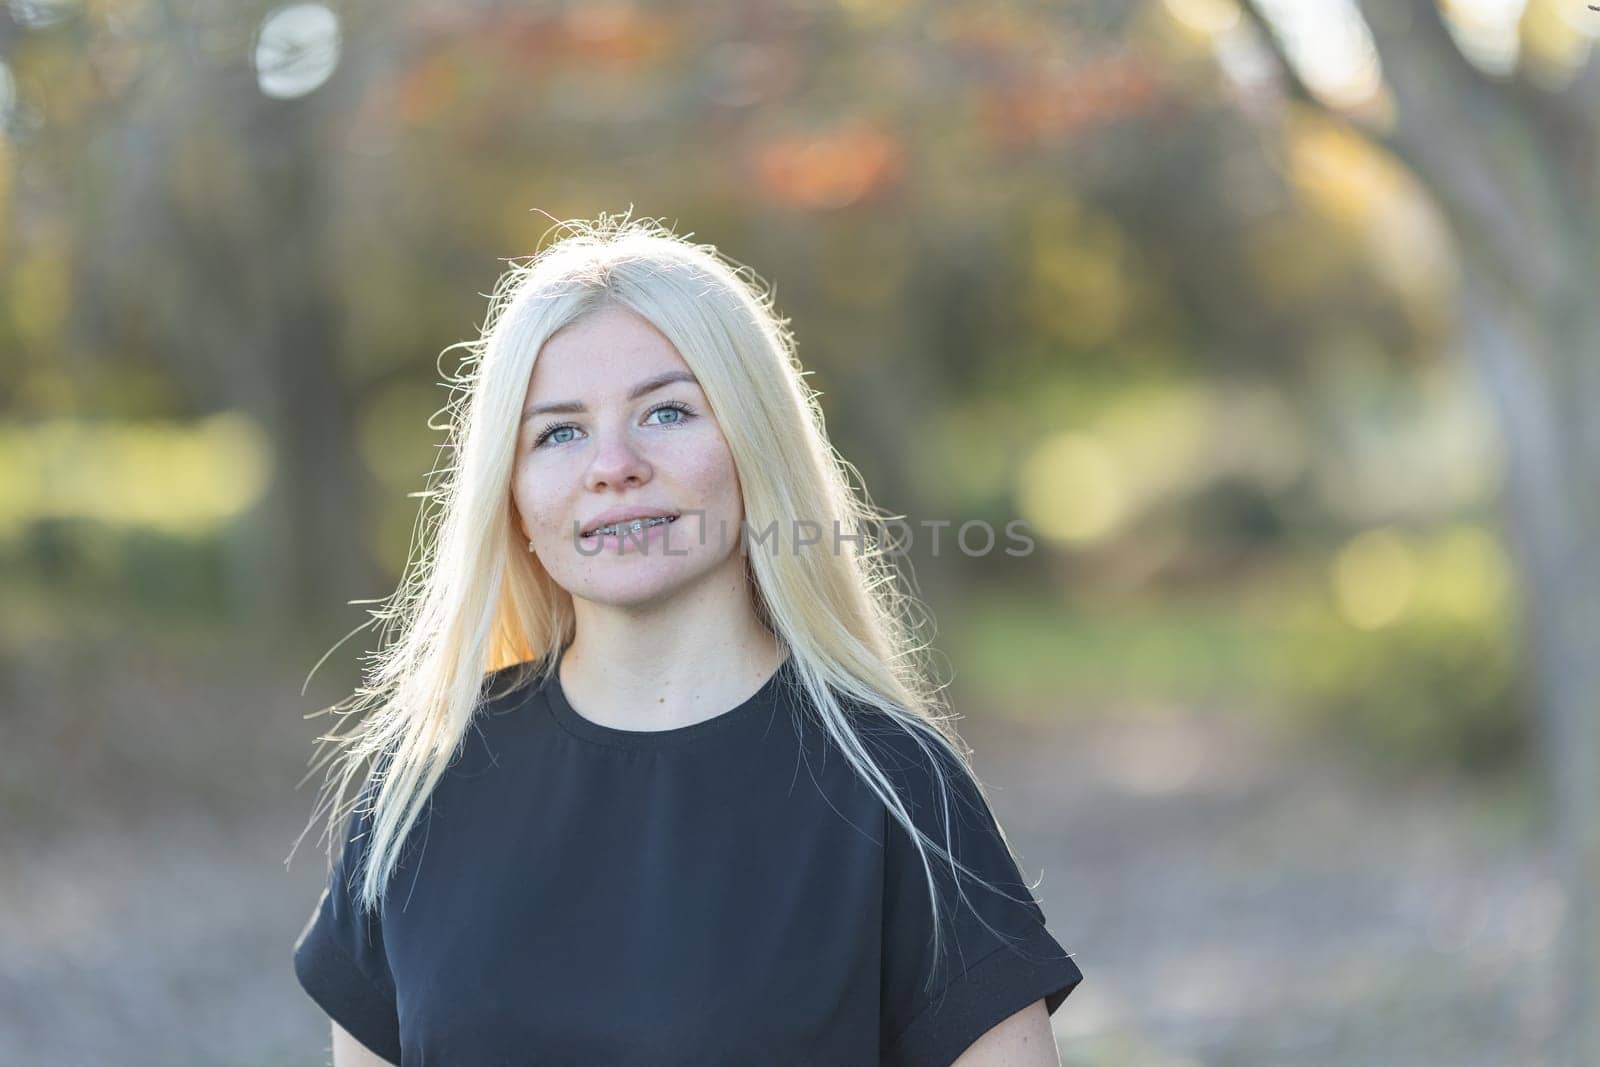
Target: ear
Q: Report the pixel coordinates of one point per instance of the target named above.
(513, 516)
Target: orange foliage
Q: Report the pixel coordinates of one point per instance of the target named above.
(1038, 108)
(517, 45)
(849, 165)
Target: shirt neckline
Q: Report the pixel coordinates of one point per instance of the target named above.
(568, 718)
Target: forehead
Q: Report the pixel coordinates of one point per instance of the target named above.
(604, 354)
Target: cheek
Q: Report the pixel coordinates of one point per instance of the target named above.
(722, 483)
(531, 495)
(712, 472)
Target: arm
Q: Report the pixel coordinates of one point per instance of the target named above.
(348, 1052)
(1023, 1040)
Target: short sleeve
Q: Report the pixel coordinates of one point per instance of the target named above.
(997, 956)
(340, 958)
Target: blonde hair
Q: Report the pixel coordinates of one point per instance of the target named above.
(474, 600)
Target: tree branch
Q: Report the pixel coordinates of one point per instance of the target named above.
(1456, 132)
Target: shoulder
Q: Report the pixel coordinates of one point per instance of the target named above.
(507, 697)
(928, 771)
(933, 778)
(507, 691)
(512, 683)
(916, 754)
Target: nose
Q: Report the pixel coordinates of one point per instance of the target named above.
(617, 464)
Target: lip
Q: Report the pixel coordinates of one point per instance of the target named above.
(606, 518)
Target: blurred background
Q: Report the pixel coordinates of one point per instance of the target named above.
(1274, 321)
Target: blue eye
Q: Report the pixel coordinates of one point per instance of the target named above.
(546, 434)
(681, 411)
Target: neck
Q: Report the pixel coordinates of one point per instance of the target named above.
(673, 663)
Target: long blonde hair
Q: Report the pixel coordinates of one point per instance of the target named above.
(474, 600)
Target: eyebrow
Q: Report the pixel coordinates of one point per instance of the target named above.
(649, 385)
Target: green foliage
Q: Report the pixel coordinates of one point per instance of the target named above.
(162, 575)
(1422, 693)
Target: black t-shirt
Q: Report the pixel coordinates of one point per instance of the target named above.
(728, 892)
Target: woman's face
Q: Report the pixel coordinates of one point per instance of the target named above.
(632, 434)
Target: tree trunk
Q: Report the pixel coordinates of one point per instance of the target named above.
(1551, 520)
(1512, 167)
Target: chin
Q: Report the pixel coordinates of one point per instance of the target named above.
(621, 581)
(630, 593)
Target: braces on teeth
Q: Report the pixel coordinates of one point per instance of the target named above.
(635, 525)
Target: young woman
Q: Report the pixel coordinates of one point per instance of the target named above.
(651, 771)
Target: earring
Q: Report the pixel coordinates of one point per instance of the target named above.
(530, 545)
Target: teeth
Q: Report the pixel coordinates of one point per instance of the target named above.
(636, 525)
